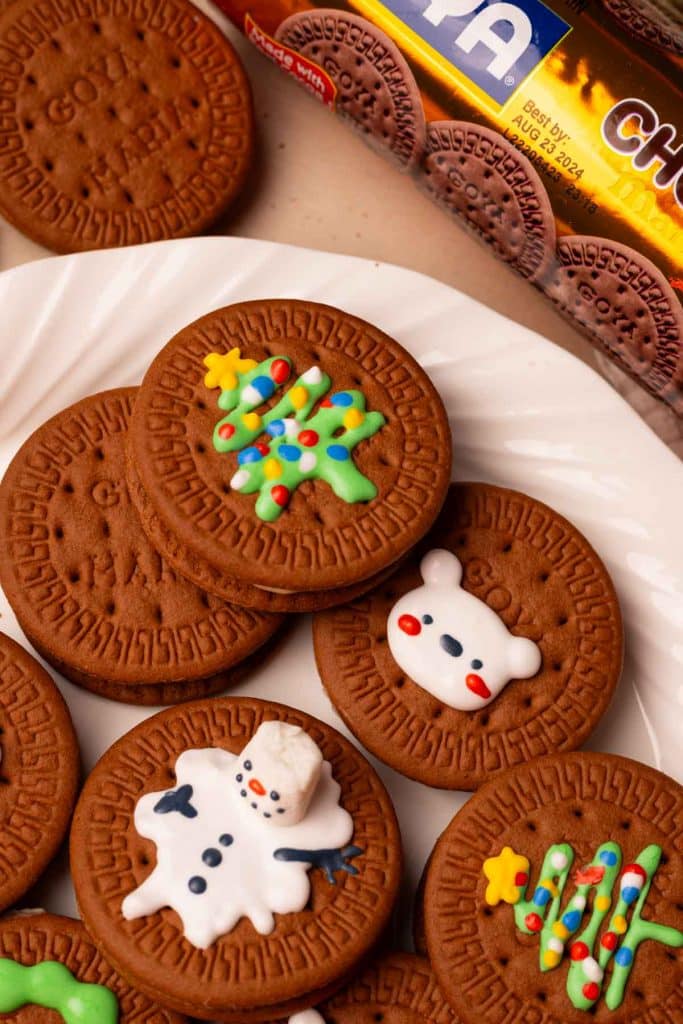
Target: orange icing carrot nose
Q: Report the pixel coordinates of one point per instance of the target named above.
(256, 787)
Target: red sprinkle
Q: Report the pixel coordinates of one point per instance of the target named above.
(263, 448)
(280, 495)
(609, 940)
(409, 625)
(326, 404)
(226, 430)
(521, 878)
(591, 991)
(591, 875)
(279, 371)
(533, 922)
(579, 951)
(634, 869)
(308, 438)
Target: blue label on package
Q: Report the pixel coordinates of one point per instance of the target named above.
(494, 44)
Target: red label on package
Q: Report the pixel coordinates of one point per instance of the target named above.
(310, 75)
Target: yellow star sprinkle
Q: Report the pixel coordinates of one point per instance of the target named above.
(223, 369)
(251, 420)
(602, 902)
(298, 396)
(353, 418)
(504, 873)
(272, 469)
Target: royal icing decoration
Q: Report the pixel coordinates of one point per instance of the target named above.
(287, 445)
(451, 643)
(238, 834)
(52, 986)
(621, 890)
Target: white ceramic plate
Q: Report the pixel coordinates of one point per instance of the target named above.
(523, 414)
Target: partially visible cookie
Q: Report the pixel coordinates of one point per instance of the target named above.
(556, 894)
(499, 640)
(125, 122)
(626, 304)
(90, 591)
(50, 970)
(376, 90)
(39, 768)
(477, 174)
(657, 22)
(257, 859)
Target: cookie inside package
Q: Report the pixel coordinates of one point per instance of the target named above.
(551, 130)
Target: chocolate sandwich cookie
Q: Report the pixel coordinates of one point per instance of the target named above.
(50, 970)
(498, 641)
(125, 122)
(657, 22)
(257, 859)
(398, 988)
(285, 448)
(90, 592)
(556, 894)
(375, 88)
(39, 767)
(627, 305)
(477, 174)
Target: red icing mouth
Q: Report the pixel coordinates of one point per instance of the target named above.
(477, 685)
(256, 787)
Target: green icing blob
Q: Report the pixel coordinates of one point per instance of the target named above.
(300, 446)
(53, 986)
(622, 937)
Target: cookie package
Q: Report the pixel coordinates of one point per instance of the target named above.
(551, 130)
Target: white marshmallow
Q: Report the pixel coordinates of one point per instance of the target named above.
(279, 770)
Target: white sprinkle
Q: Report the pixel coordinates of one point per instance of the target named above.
(559, 860)
(307, 462)
(312, 376)
(579, 902)
(240, 478)
(307, 1017)
(292, 427)
(251, 396)
(592, 969)
(557, 945)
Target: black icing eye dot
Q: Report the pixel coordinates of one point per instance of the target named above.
(280, 810)
(476, 663)
(267, 815)
(247, 765)
(212, 857)
(254, 806)
(225, 839)
(238, 778)
(427, 619)
(274, 795)
(243, 792)
(197, 885)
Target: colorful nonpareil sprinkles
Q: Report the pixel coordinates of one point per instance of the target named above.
(287, 445)
(508, 878)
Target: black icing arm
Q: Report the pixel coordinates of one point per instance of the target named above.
(329, 860)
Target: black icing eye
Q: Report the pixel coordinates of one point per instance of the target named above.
(247, 766)
(238, 778)
(280, 810)
(476, 663)
(267, 815)
(274, 795)
(451, 645)
(243, 792)
(427, 619)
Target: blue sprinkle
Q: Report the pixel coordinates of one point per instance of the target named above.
(225, 839)
(212, 857)
(338, 452)
(541, 897)
(343, 399)
(264, 385)
(249, 455)
(624, 957)
(609, 858)
(572, 920)
(276, 428)
(197, 885)
(630, 893)
(289, 452)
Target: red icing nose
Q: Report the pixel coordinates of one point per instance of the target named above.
(256, 787)
(477, 685)
(409, 625)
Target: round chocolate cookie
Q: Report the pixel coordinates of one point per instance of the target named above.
(50, 970)
(626, 304)
(657, 22)
(250, 876)
(375, 88)
(556, 895)
(289, 447)
(477, 174)
(125, 122)
(39, 768)
(89, 590)
(498, 641)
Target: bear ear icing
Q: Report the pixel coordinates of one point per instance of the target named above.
(442, 568)
(524, 658)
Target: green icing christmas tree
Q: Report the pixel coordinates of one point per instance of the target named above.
(295, 445)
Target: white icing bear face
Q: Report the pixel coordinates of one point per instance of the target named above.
(451, 643)
(277, 773)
